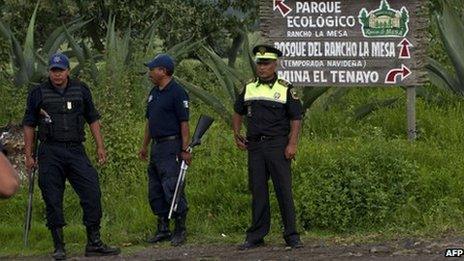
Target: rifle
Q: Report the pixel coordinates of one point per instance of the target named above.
(28, 218)
(202, 126)
(31, 176)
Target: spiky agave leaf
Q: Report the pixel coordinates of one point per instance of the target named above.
(451, 26)
(211, 100)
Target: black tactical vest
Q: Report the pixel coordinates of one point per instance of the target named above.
(66, 112)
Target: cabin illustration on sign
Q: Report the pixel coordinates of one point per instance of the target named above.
(384, 22)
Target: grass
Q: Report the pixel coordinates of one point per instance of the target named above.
(354, 180)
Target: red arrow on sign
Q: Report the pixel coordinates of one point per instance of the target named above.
(404, 52)
(283, 8)
(392, 74)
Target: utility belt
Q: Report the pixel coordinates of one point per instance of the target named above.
(63, 144)
(264, 138)
(166, 138)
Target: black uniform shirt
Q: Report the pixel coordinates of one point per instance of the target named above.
(34, 101)
(268, 118)
(166, 109)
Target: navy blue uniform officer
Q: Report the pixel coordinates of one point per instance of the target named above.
(59, 107)
(273, 115)
(168, 131)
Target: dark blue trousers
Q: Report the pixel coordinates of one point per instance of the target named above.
(163, 171)
(61, 161)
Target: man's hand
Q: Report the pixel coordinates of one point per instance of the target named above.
(290, 151)
(143, 153)
(240, 141)
(101, 154)
(30, 163)
(186, 156)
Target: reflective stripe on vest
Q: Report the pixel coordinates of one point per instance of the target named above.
(262, 92)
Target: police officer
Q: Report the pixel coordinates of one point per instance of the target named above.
(273, 115)
(167, 129)
(9, 180)
(59, 107)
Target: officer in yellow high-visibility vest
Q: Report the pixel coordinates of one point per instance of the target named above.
(273, 116)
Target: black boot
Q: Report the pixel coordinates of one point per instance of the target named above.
(57, 235)
(293, 242)
(96, 247)
(163, 233)
(180, 233)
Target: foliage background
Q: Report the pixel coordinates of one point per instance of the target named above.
(351, 176)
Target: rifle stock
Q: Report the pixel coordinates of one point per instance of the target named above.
(202, 126)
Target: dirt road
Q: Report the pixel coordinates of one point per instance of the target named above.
(406, 249)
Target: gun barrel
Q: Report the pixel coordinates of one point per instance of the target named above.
(28, 218)
(179, 188)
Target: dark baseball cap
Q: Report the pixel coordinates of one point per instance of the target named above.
(59, 61)
(161, 60)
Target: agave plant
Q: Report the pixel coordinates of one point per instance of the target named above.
(231, 80)
(118, 48)
(451, 27)
(30, 64)
(222, 98)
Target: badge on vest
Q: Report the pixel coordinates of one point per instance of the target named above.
(69, 105)
(276, 95)
(186, 104)
(150, 98)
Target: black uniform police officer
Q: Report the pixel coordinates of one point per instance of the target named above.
(60, 107)
(167, 127)
(273, 114)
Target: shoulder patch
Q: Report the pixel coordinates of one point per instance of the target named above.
(284, 83)
(294, 94)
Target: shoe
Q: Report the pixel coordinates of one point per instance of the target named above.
(58, 242)
(251, 244)
(180, 232)
(163, 233)
(294, 243)
(96, 247)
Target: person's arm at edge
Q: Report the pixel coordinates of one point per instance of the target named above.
(9, 180)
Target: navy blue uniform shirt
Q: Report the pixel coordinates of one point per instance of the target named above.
(166, 109)
(34, 102)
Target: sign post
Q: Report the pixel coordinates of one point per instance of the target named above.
(350, 43)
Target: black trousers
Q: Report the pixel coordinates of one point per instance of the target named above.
(61, 161)
(163, 171)
(267, 159)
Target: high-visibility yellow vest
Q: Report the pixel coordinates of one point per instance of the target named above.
(263, 92)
